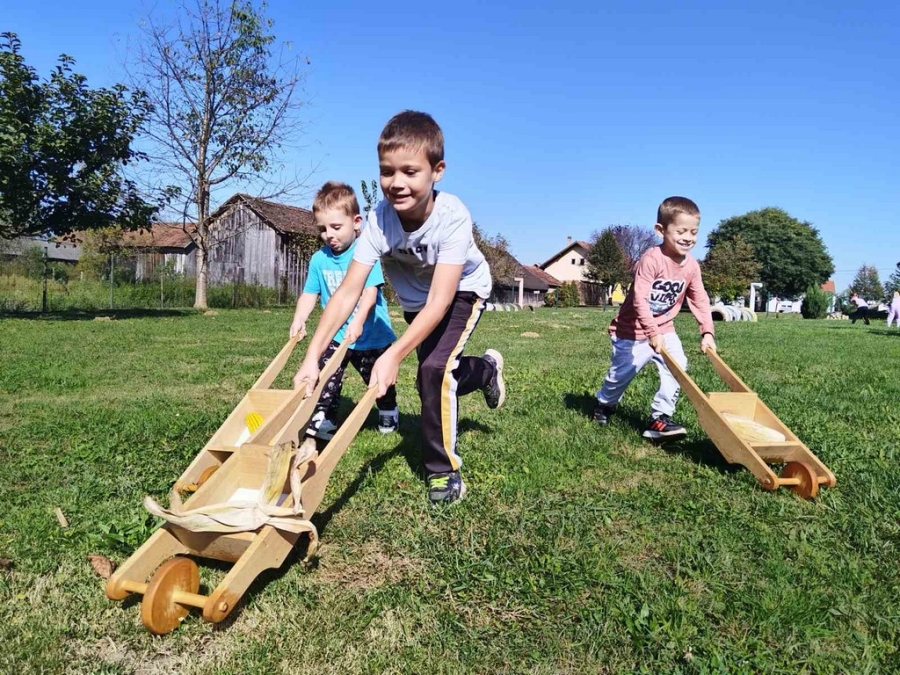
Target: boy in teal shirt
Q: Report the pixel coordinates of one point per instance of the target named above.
(368, 328)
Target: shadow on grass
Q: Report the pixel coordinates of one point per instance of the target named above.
(885, 332)
(700, 450)
(82, 315)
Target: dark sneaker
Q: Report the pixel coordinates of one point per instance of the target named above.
(662, 428)
(495, 391)
(602, 413)
(321, 427)
(445, 488)
(388, 421)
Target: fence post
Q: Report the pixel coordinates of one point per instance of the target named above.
(44, 285)
(112, 275)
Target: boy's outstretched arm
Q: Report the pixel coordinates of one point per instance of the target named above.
(339, 307)
(366, 303)
(443, 289)
(306, 303)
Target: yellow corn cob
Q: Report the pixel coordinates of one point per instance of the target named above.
(253, 421)
(752, 431)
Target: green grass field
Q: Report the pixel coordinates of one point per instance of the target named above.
(578, 549)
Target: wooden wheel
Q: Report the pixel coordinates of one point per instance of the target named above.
(159, 611)
(807, 485)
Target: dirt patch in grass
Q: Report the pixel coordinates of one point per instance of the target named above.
(367, 568)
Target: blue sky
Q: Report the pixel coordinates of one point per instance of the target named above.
(561, 118)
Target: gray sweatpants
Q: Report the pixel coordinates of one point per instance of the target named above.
(628, 357)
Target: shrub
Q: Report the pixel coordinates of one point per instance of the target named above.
(551, 298)
(568, 294)
(815, 304)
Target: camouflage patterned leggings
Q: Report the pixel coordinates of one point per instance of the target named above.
(362, 360)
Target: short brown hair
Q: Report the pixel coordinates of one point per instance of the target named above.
(336, 195)
(413, 130)
(672, 206)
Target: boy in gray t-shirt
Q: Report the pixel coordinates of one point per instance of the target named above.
(424, 240)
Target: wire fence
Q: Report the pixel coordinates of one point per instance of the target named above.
(40, 285)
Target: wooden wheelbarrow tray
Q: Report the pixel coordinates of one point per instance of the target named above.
(803, 472)
(223, 466)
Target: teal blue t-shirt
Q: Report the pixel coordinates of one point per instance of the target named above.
(326, 271)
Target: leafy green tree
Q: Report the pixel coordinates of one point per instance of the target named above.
(568, 294)
(893, 282)
(729, 268)
(606, 263)
(63, 147)
(867, 284)
(815, 303)
(31, 262)
(225, 103)
(504, 267)
(104, 251)
(790, 252)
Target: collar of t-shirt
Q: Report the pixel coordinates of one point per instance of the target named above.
(424, 227)
(346, 254)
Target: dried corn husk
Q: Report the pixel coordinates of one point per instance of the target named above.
(232, 517)
(248, 515)
(752, 431)
(276, 472)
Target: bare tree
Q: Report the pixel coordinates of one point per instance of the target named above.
(224, 106)
(634, 241)
(370, 195)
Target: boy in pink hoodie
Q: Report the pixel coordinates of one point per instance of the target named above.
(663, 277)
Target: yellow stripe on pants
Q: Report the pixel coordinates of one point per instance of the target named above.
(448, 389)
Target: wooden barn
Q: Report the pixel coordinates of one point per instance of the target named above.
(164, 243)
(256, 242)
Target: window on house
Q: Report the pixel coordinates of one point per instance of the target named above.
(581, 262)
(573, 261)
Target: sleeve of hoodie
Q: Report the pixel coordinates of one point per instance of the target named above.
(698, 302)
(645, 272)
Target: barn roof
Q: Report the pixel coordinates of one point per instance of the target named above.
(280, 217)
(161, 235)
(546, 278)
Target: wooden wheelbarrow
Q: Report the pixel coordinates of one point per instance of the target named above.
(237, 463)
(746, 432)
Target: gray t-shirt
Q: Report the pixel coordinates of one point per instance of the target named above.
(409, 258)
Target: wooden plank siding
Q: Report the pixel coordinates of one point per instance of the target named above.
(248, 250)
(147, 262)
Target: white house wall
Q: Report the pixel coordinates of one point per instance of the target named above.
(565, 269)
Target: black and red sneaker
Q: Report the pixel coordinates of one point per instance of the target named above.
(602, 413)
(662, 428)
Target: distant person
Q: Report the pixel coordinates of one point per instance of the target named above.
(424, 238)
(862, 309)
(663, 277)
(894, 310)
(368, 327)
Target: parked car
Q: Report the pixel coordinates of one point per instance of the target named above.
(785, 306)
